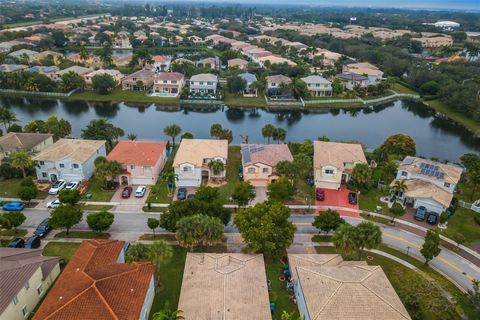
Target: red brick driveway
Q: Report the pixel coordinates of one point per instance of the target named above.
(339, 198)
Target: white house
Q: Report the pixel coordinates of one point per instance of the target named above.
(192, 159)
(366, 69)
(204, 83)
(318, 86)
(69, 159)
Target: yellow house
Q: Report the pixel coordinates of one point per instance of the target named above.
(333, 163)
(25, 276)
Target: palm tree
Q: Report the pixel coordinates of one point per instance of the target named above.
(138, 252)
(370, 236)
(83, 54)
(167, 314)
(399, 187)
(105, 55)
(21, 160)
(473, 176)
(132, 136)
(160, 251)
(298, 88)
(216, 130)
(7, 117)
(283, 88)
(172, 131)
(170, 177)
(259, 86)
(346, 240)
(279, 134)
(216, 166)
(268, 131)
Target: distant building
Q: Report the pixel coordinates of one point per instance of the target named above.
(318, 86)
(168, 84)
(141, 80)
(32, 142)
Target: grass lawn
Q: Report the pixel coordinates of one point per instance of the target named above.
(463, 119)
(9, 189)
(82, 235)
(158, 236)
(386, 94)
(98, 193)
(334, 104)
(64, 250)
(370, 199)
(279, 293)
(466, 193)
(462, 221)
(400, 88)
(233, 165)
(239, 101)
(119, 95)
(304, 193)
(12, 233)
(159, 192)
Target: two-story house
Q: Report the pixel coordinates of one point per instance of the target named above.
(318, 86)
(142, 161)
(333, 163)
(249, 78)
(25, 276)
(32, 142)
(274, 84)
(141, 80)
(192, 159)
(69, 159)
(352, 80)
(203, 83)
(115, 74)
(160, 64)
(366, 69)
(429, 183)
(168, 84)
(210, 62)
(237, 63)
(259, 162)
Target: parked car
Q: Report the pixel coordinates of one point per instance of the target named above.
(182, 194)
(57, 187)
(352, 197)
(33, 242)
(72, 185)
(420, 213)
(16, 243)
(13, 206)
(140, 192)
(320, 195)
(127, 192)
(53, 204)
(432, 218)
(42, 229)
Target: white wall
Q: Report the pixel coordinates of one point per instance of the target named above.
(438, 182)
(193, 178)
(430, 204)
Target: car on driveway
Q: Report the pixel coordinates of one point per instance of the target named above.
(126, 192)
(420, 213)
(72, 185)
(33, 242)
(182, 194)
(320, 195)
(13, 206)
(140, 192)
(16, 243)
(352, 198)
(432, 218)
(57, 187)
(53, 204)
(42, 229)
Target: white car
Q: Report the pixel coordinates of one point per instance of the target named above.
(53, 204)
(140, 192)
(72, 185)
(57, 187)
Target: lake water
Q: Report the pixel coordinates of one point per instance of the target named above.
(435, 137)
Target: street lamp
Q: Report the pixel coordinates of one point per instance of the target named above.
(408, 250)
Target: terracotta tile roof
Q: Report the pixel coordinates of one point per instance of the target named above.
(337, 154)
(140, 153)
(95, 286)
(269, 154)
(160, 59)
(169, 76)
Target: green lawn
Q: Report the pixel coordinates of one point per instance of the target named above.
(9, 189)
(120, 95)
(98, 193)
(400, 88)
(463, 119)
(370, 199)
(82, 235)
(466, 192)
(159, 192)
(386, 94)
(64, 250)
(240, 101)
(158, 236)
(12, 233)
(279, 293)
(462, 221)
(304, 193)
(233, 165)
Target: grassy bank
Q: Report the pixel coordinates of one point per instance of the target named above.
(468, 122)
(119, 95)
(239, 101)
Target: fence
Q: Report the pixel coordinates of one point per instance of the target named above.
(39, 93)
(199, 101)
(472, 206)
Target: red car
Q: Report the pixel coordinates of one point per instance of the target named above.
(320, 195)
(127, 191)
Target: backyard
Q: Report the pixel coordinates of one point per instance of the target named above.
(233, 164)
(120, 95)
(65, 250)
(9, 189)
(278, 292)
(159, 192)
(240, 101)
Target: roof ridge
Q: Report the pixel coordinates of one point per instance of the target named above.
(68, 302)
(327, 301)
(102, 298)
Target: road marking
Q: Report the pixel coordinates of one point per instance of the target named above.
(402, 240)
(303, 223)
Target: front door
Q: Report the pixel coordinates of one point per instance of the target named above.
(124, 180)
(53, 177)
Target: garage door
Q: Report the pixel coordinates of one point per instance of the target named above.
(431, 206)
(258, 182)
(142, 181)
(188, 183)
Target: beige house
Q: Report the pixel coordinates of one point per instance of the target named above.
(326, 287)
(333, 163)
(219, 286)
(81, 71)
(141, 80)
(33, 142)
(259, 162)
(239, 63)
(168, 84)
(115, 74)
(25, 276)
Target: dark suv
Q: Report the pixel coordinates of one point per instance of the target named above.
(352, 197)
(33, 242)
(17, 243)
(42, 229)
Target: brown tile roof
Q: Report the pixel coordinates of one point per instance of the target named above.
(21, 141)
(169, 76)
(95, 286)
(17, 267)
(193, 151)
(140, 153)
(160, 59)
(417, 188)
(72, 149)
(269, 154)
(278, 79)
(337, 154)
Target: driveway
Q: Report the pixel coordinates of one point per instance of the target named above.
(190, 190)
(261, 195)
(131, 203)
(339, 198)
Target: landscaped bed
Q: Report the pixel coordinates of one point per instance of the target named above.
(82, 235)
(278, 293)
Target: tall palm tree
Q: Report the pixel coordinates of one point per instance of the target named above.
(216, 130)
(170, 177)
(346, 240)
(21, 160)
(132, 136)
(138, 252)
(370, 236)
(268, 131)
(105, 55)
(279, 134)
(216, 166)
(259, 86)
(399, 187)
(168, 314)
(160, 251)
(172, 131)
(7, 117)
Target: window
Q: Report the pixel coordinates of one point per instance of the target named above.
(40, 289)
(15, 300)
(165, 81)
(61, 165)
(147, 168)
(446, 185)
(174, 81)
(265, 170)
(328, 171)
(42, 163)
(210, 83)
(24, 310)
(44, 174)
(27, 285)
(186, 169)
(404, 173)
(76, 166)
(251, 170)
(201, 83)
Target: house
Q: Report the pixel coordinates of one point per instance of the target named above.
(192, 159)
(168, 84)
(364, 69)
(9, 45)
(7, 68)
(98, 284)
(259, 162)
(318, 86)
(115, 74)
(69, 159)
(48, 71)
(23, 54)
(249, 79)
(239, 63)
(122, 41)
(430, 184)
(274, 82)
(197, 41)
(25, 275)
(142, 161)
(81, 71)
(274, 59)
(210, 62)
(160, 64)
(141, 80)
(333, 162)
(218, 286)
(327, 287)
(352, 80)
(40, 56)
(32, 142)
(203, 83)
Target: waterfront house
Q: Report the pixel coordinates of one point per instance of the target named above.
(25, 275)
(203, 83)
(40, 56)
(364, 69)
(160, 64)
(168, 84)
(141, 80)
(81, 71)
(352, 80)
(98, 284)
(238, 63)
(31, 142)
(318, 86)
(274, 84)
(197, 41)
(48, 71)
(333, 163)
(142, 161)
(249, 79)
(23, 54)
(69, 159)
(115, 74)
(192, 159)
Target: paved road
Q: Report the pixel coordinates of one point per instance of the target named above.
(460, 270)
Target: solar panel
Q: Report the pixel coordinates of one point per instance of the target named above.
(422, 165)
(442, 175)
(246, 154)
(431, 173)
(423, 171)
(436, 168)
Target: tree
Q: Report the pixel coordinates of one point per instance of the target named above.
(243, 193)
(236, 85)
(327, 221)
(259, 86)
(65, 216)
(186, 135)
(160, 252)
(279, 134)
(303, 164)
(172, 131)
(69, 196)
(27, 193)
(198, 230)
(397, 210)
(105, 55)
(430, 248)
(167, 314)
(102, 129)
(15, 219)
(361, 174)
(7, 117)
(287, 169)
(71, 81)
(474, 296)
(346, 240)
(169, 177)
(83, 54)
(21, 160)
(369, 235)
(429, 88)
(103, 83)
(100, 221)
(106, 169)
(459, 239)
(216, 130)
(60, 128)
(337, 87)
(299, 88)
(268, 131)
(216, 166)
(280, 190)
(399, 187)
(4, 223)
(132, 136)
(400, 145)
(153, 224)
(266, 228)
(473, 176)
(138, 252)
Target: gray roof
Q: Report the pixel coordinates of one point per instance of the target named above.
(348, 76)
(249, 77)
(21, 141)
(77, 69)
(17, 267)
(315, 79)
(204, 77)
